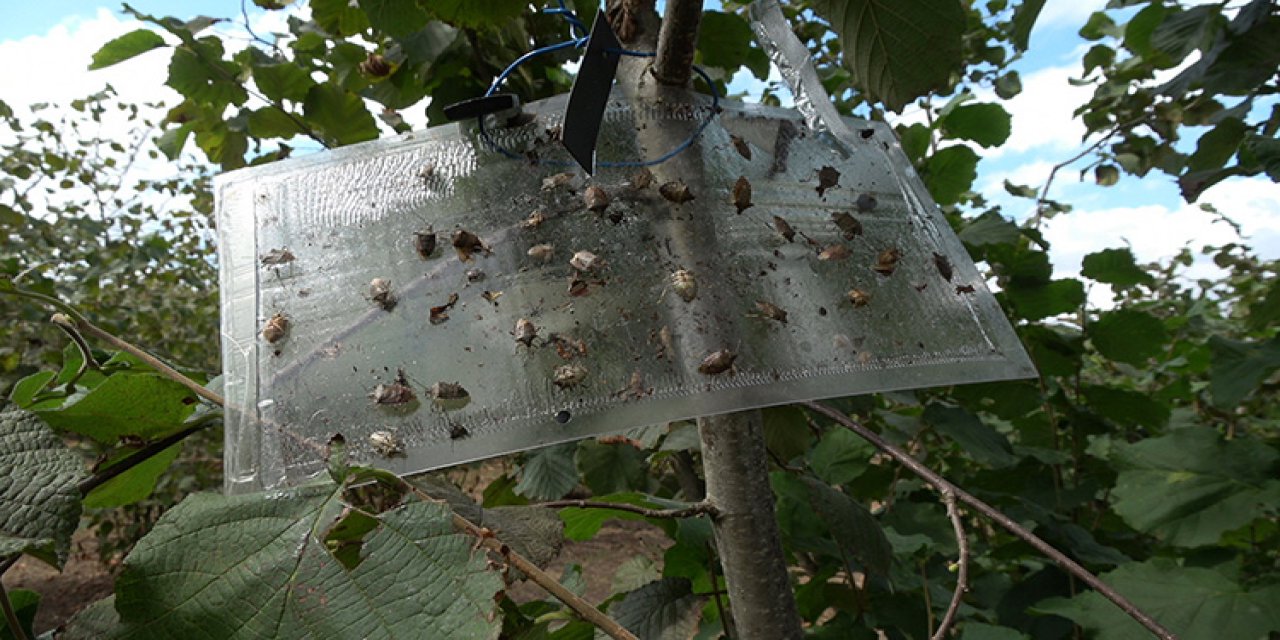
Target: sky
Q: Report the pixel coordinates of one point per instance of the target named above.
(55, 40)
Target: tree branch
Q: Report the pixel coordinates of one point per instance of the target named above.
(145, 453)
(962, 570)
(79, 323)
(676, 42)
(486, 539)
(943, 485)
(10, 616)
(697, 509)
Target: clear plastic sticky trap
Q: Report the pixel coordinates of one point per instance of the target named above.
(436, 301)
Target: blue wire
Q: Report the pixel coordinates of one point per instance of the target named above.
(577, 26)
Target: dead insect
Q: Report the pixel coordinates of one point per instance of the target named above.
(380, 293)
(784, 229)
(467, 243)
(684, 284)
(944, 266)
(887, 261)
(569, 375)
(558, 180)
(667, 342)
(541, 252)
(771, 311)
(850, 228)
(427, 172)
(596, 199)
(641, 179)
(458, 432)
(277, 257)
(859, 298)
(441, 313)
(424, 242)
(474, 275)
(525, 332)
(386, 444)
(578, 287)
(866, 202)
(828, 177)
(449, 395)
(491, 296)
(717, 362)
(741, 146)
(676, 191)
(534, 220)
(964, 288)
(742, 194)
(276, 328)
(585, 261)
(834, 253)
(635, 388)
(567, 347)
(394, 393)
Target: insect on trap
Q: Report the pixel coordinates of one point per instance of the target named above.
(467, 291)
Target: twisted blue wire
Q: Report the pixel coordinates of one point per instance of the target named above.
(578, 28)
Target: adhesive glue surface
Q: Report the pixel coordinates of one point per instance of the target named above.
(436, 301)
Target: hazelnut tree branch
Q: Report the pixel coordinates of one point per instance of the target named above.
(945, 486)
(677, 41)
(696, 509)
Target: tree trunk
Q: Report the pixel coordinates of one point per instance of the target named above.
(735, 462)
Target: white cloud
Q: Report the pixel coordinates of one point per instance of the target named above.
(1067, 13)
(1043, 113)
(1156, 232)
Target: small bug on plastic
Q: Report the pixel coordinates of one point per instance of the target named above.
(742, 194)
(771, 311)
(717, 362)
(397, 392)
(276, 328)
(526, 332)
(567, 376)
(828, 177)
(424, 242)
(380, 293)
(676, 191)
(467, 243)
(684, 284)
(859, 298)
(596, 199)
(449, 395)
(386, 444)
(834, 253)
(887, 261)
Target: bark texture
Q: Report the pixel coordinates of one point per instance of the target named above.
(677, 42)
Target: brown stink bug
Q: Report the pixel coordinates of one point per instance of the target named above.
(859, 298)
(676, 191)
(526, 332)
(771, 311)
(740, 146)
(596, 199)
(424, 242)
(887, 261)
(449, 395)
(386, 444)
(567, 376)
(834, 253)
(397, 392)
(276, 328)
(944, 266)
(849, 225)
(828, 177)
(277, 257)
(742, 194)
(717, 362)
(467, 243)
(541, 252)
(380, 293)
(585, 261)
(784, 229)
(684, 284)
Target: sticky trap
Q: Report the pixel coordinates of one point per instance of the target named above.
(436, 301)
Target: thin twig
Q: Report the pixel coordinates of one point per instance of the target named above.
(1053, 173)
(697, 509)
(10, 616)
(84, 326)
(487, 540)
(942, 484)
(962, 565)
(145, 453)
(87, 361)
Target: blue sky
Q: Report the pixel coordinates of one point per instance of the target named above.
(1148, 214)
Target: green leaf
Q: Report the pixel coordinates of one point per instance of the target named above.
(1239, 367)
(840, 456)
(340, 116)
(476, 13)
(786, 431)
(285, 81)
(94, 622)
(1128, 335)
(125, 404)
(198, 72)
(1192, 602)
(24, 392)
(39, 500)
(1128, 408)
(339, 17)
(985, 123)
(270, 122)
(978, 631)
(1182, 32)
(1099, 26)
(915, 140)
(663, 610)
(1216, 147)
(1008, 85)
(851, 525)
(989, 228)
(1115, 267)
(1106, 175)
(724, 40)
(950, 172)
(1266, 311)
(1191, 486)
(548, 473)
(986, 445)
(1036, 301)
(133, 485)
(417, 578)
(897, 51)
(24, 604)
(396, 18)
(131, 44)
(1138, 31)
(1024, 19)
(612, 467)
